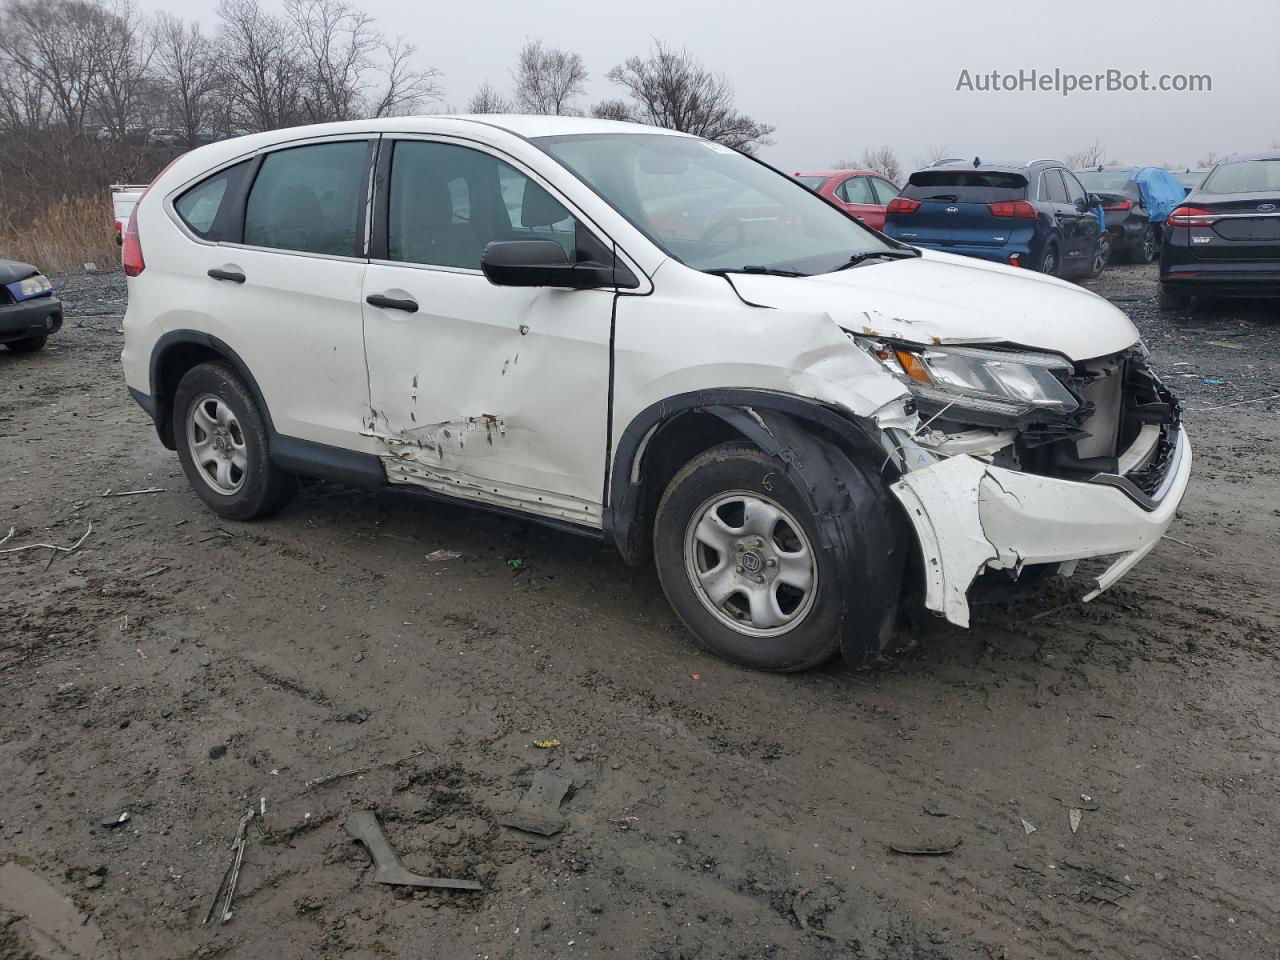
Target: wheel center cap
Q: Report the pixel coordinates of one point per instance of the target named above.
(751, 562)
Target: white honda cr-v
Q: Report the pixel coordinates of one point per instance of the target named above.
(650, 338)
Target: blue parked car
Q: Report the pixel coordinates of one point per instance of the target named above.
(1034, 215)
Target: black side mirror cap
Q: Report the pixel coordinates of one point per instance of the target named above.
(543, 263)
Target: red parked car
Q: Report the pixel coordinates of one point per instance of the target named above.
(863, 193)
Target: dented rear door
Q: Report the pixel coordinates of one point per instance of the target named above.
(494, 394)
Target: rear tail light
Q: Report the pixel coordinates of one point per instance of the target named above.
(131, 248)
(1018, 209)
(1119, 205)
(1015, 259)
(1192, 217)
(902, 205)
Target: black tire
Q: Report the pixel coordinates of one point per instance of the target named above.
(29, 345)
(1146, 249)
(854, 602)
(1101, 256)
(263, 487)
(1049, 264)
(1170, 298)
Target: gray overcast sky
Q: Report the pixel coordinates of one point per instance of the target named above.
(835, 77)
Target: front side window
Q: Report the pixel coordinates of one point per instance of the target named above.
(711, 207)
(1074, 191)
(856, 190)
(309, 199)
(205, 208)
(448, 202)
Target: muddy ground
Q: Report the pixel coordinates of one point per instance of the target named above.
(181, 668)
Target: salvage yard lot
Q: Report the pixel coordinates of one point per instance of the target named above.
(716, 812)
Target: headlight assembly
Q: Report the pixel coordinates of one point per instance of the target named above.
(35, 286)
(978, 384)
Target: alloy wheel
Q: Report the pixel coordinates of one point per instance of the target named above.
(751, 563)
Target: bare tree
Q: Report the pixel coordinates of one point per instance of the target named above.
(882, 160)
(548, 79)
(1091, 156)
(672, 89)
(404, 87)
(488, 100)
(1208, 160)
(932, 154)
(187, 73)
(57, 46)
(336, 44)
(127, 45)
(613, 110)
(262, 69)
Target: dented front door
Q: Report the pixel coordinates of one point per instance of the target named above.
(494, 394)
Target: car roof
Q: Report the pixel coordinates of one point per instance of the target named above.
(997, 167)
(1235, 157)
(521, 124)
(837, 173)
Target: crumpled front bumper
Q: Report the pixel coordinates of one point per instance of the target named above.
(969, 515)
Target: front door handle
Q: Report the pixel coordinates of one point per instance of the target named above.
(234, 276)
(391, 303)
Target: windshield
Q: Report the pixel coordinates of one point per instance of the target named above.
(1244, 176)
(1104, 181)
(712, 208)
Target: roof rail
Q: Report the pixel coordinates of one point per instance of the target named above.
(1045, 160)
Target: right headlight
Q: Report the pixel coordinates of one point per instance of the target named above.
(995, 386)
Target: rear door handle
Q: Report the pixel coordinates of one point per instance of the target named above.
(391, 303)
(234, 276)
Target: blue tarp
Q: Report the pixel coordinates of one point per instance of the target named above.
(1161, 192)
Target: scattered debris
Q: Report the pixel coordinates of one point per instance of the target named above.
(48, 546)
(1238, 403)
(363, 826)
(217, 751)
(1075, 815)
(803, 919)
(539, 809)
(1027, 827)
(1190, 546)
(517, 564)
(938, 847)
(546, 744)
(154, 572)
(132, 493)
(317, 781)
(437, 555)
(695, 676)
(1213, 382)
(112, 822)
(1229, 344)
(227, 888)
(8, 536)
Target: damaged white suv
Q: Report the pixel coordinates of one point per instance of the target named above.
(648, 338)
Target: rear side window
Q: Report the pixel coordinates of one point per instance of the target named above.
(856, 190)
(309, 199)
(1052, 188)
(966, 186)
(885, 191)
(206, 207)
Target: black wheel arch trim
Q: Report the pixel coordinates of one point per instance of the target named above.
(772, 421)
(299, 456)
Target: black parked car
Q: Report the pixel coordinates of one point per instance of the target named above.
(1128, 197)
(1225, 237)
(29, 311)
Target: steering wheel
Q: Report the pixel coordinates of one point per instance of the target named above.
(740, 240)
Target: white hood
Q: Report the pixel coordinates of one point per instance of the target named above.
(941, 298)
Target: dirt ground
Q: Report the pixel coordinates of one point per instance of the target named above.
(184, 669)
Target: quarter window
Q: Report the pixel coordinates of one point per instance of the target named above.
(885, 191)
(309, 199)
(205, 208)
(448, 202)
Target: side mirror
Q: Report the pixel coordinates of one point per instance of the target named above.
(1094, 201)
(543, 263)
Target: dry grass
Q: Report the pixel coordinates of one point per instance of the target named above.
(70, 233)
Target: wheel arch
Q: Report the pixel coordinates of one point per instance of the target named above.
(173, 355)
(663, 437)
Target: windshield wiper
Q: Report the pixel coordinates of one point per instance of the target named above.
(944, 196)
(768, 271)
(866, 255)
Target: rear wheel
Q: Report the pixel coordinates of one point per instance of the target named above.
(223, 444)
(1144, 251)
(28, 345)
(1171, 298)
(1049, 262)
(742, 560)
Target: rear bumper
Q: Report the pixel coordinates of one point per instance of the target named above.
(1244, 278)
(969, 515)
(994, 254)
(30, 318)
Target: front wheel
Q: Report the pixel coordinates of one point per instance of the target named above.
(1171, 298)
(223, 444)
(29, 344)
(742, 560)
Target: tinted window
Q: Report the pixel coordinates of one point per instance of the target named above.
(205, 208)
(885, 191)
(309, 199)
(448, 202)
(1075, 192)
(1052, 188)
(965, 186)
(813, 183)
(856, 190)
(1245, 176)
